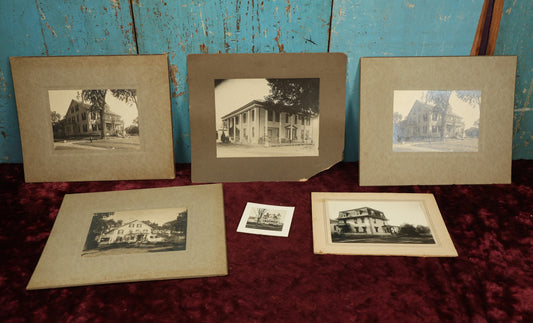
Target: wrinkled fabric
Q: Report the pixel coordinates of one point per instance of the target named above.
(274, 279)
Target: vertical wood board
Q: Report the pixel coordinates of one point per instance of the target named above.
(190, 27)
(516, 38)
(50, 28)
(396, 28)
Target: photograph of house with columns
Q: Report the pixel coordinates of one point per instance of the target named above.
(95, 119)
(267, 117)
(436, 121)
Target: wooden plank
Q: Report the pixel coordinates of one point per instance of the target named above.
(42, 28)
(515, 37)
(224, 26)
(396, 28)
(480, 29)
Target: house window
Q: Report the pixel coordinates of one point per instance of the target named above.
(287, 118)
(132, 225)
(270, 115)
(425, 117)
(253, 115)
(84, 128)
(302, 121)
(308, 121)
(253, 132)
(277, 116)
(295, 119)
(376, 229)
(94, 127)
(355, 221)
(434, 129)
(244, 118)
(145, 230)
(77, 108)
(93, 115)
(120, 231)
(138, 225)
(84, 116)
(362, 220)
(236, 120)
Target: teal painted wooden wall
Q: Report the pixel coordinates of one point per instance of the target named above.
(357, 28)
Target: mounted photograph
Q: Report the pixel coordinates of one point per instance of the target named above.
(135, 235)
(436, 121)
(379, 224)
(267, 117)
(82, 117)
(104, 119)
(266, 219)
(136, 231)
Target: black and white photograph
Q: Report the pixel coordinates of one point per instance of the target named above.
(395, 222)
(266, 219)
(136, 231)
(386, 224)
(261, 117)
(436, 121)
(95, 119)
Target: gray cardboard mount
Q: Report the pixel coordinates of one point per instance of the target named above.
(33, 77)
(62, 265)
(380, 77)
(204, 69)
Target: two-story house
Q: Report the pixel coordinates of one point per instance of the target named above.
(131, 232)
(364, 221)
(258, 123)
(81, 121)
(423, 122)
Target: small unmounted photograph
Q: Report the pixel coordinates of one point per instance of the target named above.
(436, 121)
(136, 231)
(266, 219)
(267, 117)
(390, 222)
(95, 119)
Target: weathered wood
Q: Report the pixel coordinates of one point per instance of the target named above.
(359, 28)
(515, 37)
(42, 28)
(185, 27)
(396, 28)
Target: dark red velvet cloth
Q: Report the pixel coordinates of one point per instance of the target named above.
(275, 279)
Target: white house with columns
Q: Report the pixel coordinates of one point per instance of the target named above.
(256, 121)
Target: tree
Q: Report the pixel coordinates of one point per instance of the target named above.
(133, 130)
(408, 230)
(96, 99)
(260, 213)
(396, 129)
(99, 225)
(294, 96)
(441, 102)
(181, 223)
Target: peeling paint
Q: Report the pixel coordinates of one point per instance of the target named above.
(173, 72)
(508, 11)
(280, 46)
